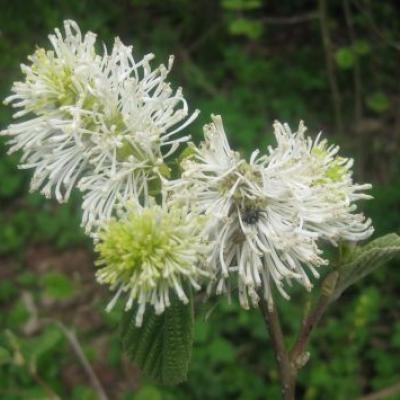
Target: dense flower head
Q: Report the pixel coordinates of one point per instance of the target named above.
(57, 77)
(103, 123)
(149, 252)
(327, 191)
(146, 115)
(269, 212)
(54, 81)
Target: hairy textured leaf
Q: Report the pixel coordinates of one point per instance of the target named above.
(365, 259)
(162, 346)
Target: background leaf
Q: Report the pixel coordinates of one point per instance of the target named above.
(247, 27)
(45, 345)
(345, 58)
(5, 356)
(148, 393)
(241, 4)
(162, 346)
(362, 47)
(365, 259)
(378, 102)
(57, 285)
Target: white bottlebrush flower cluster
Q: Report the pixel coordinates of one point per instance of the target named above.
(267, 215)
(104, 123)
(149, 252)
(327, 191)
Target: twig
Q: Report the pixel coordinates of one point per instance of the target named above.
(32, 324)
(20, 360)
(298, 356)
(383, 394)
(376, 29)
(287, 373)
(198, 76)
(356, 70)
(202, 38)
(296, 19)
(76, 347)
(72, 339)
(326, 40)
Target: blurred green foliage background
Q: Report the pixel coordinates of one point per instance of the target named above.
(334, 64)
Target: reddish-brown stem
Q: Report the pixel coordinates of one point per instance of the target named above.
(290, 363)
(384, 393)
(287, 373)
(297, 355)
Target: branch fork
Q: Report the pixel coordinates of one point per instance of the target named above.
(290, 362)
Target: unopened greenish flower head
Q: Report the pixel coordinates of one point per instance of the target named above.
(149, 252)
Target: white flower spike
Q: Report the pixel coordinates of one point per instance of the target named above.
(268, 213)
(49, 136)
(104, 123)
(146, 115)
(330, 193)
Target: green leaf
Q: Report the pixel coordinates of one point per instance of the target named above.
(189, 152)
(5, 356)
(43, 347)
(244, 26)
(345, 58)
(378, 102)
(201, 331)
(17, 315)
(164, 170)
(57, 285)
(81, 392)
(362, 47)
(162, 346)
(155, 186)
(148, 393)
(26, 278)
(363, 260)
(222, 351)
(241, 4)
(7, 290)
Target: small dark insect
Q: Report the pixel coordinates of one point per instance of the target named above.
(251, 216)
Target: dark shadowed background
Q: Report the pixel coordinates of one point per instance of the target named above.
(334, 64)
